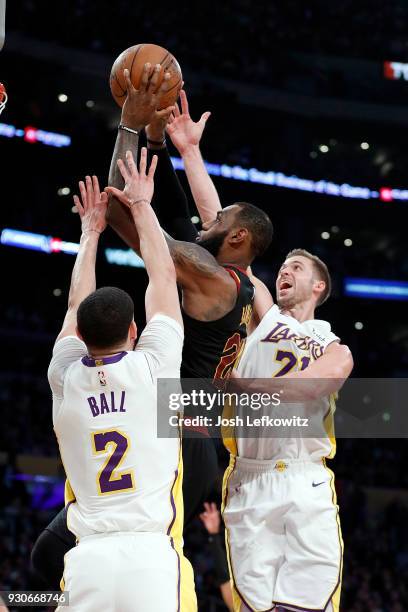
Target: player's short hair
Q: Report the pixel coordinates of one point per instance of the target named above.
(320, 269)
(259, 225)
(104, 317)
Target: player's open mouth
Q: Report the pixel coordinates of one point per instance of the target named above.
(285, 285)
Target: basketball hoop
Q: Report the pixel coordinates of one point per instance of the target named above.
(3, 98)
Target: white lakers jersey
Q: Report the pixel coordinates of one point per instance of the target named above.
(123, 477)
(280, 345)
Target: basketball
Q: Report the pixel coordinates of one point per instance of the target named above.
(134, 60)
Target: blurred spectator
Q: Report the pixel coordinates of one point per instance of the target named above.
(211, 520)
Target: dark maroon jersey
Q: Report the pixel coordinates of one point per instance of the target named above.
(211, 347)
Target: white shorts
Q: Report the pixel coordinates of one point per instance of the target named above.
(128, 572)
(283, 535)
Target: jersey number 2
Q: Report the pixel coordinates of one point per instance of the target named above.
(114, 444)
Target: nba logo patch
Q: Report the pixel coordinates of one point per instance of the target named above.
(102, 378)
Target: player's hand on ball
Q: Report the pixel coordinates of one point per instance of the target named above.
(156, 130)
(211, 518)
(140, 107)
(92, 205)
(183, 131)
(139, 184)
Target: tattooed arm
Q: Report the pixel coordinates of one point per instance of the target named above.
(119, 217)
(209, 292)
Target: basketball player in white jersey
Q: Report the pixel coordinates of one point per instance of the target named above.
(282, 523)
(125, 484)
(280, 505)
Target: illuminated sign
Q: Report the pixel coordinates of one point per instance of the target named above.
(33, 134)
(49, 244)
(353, 287)
(395, 71)
(376, 288)
(237, 173)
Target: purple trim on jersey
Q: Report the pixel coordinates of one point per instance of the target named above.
(173, 505)
(244, 601)
(92, 362)
(282, 608)
(179, 575)
(333, 490)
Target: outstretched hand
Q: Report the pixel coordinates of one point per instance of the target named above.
(92, 206)
(183, 131)
(139, 185)
(140, 106)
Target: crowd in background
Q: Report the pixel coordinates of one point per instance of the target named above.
(253, 43)
(264, 44)
(370, 29)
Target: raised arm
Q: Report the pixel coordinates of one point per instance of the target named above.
(139, 109)
(185, 134)
(92, 211)
(161, 295)
(197, 270)
(262, 301)
(207, 286)
(170, 202)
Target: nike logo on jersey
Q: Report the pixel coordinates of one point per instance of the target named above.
(317, 484)
(321, 338)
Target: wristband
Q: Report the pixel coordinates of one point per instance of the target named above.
(127, 129)
(156, 142)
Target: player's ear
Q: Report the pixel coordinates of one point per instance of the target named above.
(318, 287)
(133, 331)
(238, 236)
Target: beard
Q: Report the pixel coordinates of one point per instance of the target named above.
(214, 244)
(286, 302)
(300, 295)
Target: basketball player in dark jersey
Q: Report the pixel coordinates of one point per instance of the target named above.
(217, 298)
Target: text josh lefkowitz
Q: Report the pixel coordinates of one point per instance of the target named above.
(238, 421)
